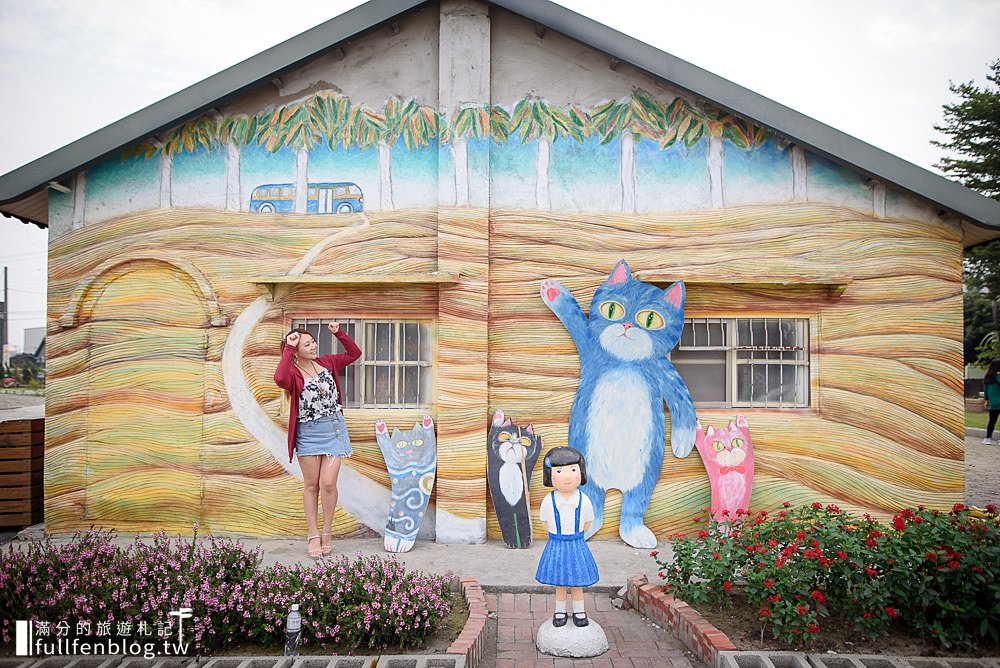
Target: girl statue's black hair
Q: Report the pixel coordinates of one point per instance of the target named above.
(562, 456)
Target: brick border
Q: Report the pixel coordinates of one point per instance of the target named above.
(471, 641)
(680, 619)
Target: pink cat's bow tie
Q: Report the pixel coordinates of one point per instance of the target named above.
(729, 469)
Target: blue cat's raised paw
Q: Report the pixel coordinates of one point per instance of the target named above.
(551, 290)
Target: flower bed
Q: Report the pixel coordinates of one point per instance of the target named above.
(936, 574)
(367, 602)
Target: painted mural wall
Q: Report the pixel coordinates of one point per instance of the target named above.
(164, 329)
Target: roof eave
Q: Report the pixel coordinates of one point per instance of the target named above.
(822, 139)
(217, 89)
(195, 99)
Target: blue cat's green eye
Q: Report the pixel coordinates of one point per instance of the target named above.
(612, 310)
(649, 319)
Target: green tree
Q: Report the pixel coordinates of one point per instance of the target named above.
(973, 128)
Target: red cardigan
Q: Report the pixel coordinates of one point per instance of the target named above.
(289, 378)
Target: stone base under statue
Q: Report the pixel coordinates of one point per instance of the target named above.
(578, 642)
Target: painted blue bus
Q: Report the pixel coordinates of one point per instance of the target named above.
(339, 197)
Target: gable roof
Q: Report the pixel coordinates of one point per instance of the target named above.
(24, 194)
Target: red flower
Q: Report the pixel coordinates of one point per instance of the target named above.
(870, 571)
(817, 505)
(785, 504)
(957, 508)
(768, 583)
(801, 535)
(841, 554)
(891, 612)
(653, 554)
(899, 523)
(662, 576)
(832, 508)
(953, 565)
(702, 534)
(866, 615)
(774, 598)
(875, 533)
(764, 612)
(991, 508)
(696, 519)
(772, 543)
(977, 569)
(781, 513)
(930, 556)
(780, 562)
(818, 597)
(802, 609)
(824, 562)
(813, 628)
(715, 556)
(728, 586)
(871, 542)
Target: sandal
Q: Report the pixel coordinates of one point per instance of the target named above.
(314, 553)
(325, 544)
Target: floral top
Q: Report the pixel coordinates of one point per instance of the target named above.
(318, 398)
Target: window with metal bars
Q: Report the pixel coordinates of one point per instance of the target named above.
(745, 362)
(396, 368)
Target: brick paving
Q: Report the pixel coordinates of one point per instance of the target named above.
(634, 641)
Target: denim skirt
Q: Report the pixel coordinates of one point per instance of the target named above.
(325, 436)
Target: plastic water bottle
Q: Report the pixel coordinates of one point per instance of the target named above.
(293, 631)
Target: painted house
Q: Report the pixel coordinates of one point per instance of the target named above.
(414, 170)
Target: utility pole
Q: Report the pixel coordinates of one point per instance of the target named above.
(6, 311)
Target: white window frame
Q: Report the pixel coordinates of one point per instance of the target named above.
(354, 389)
(742, 354)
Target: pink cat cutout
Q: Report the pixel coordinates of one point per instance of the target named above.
(728, 458)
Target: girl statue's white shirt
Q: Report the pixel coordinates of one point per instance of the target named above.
(567, 512)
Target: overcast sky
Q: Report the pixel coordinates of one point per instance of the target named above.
(875, 69)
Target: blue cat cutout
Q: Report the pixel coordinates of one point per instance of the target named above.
(625, 377)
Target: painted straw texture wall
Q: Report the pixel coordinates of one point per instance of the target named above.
(141, 433)
(884, 429)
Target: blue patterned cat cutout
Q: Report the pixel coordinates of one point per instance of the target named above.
(411, 459)
(625, 377)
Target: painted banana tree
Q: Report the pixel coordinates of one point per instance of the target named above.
(294, 126)
(414, 123)
(200, 131)
(471, 121)
(638, 117)
(235, 132)
(723, 125)
(533, 118)
(334, 116)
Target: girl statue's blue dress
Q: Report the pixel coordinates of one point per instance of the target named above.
(566, 560)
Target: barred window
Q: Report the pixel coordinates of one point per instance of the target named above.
(396, 368)
(745, 362)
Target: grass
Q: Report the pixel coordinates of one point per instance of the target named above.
(976, 420)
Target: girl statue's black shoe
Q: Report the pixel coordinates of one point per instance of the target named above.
(580, 619)
(559, 619)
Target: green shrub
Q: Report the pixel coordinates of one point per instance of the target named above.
(937, 573)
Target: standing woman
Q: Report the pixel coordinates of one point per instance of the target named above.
(316, 426)
(991, 390)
